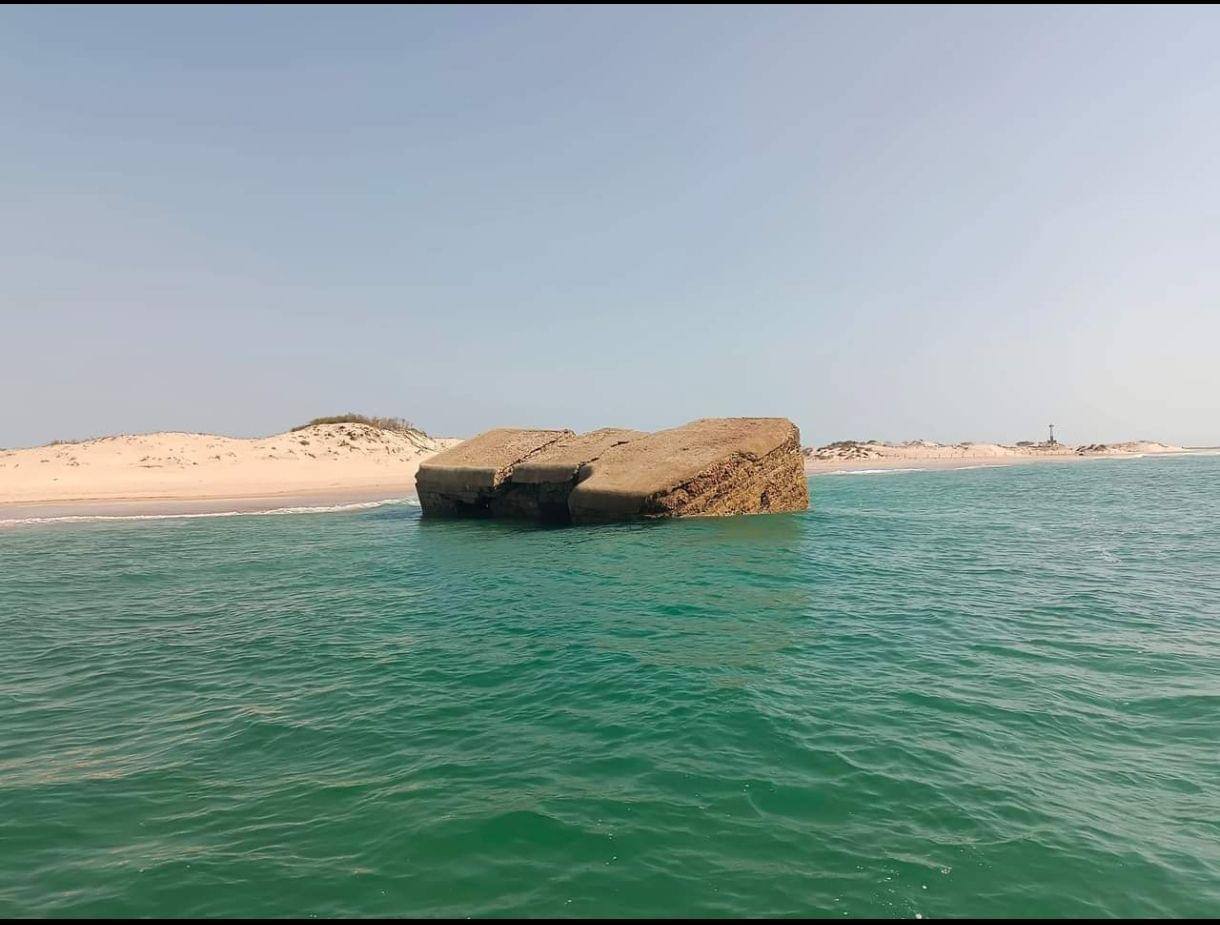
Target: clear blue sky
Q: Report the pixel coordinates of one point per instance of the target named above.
(882, 223)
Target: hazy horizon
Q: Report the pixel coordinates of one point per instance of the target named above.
(884, 223)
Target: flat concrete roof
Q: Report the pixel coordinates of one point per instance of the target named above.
(484, 461)
(560, 461)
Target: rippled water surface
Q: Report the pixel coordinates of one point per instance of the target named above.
(991, 692)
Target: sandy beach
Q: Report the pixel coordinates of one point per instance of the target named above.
(138, 474)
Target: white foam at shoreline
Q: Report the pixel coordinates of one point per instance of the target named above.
(91, 518)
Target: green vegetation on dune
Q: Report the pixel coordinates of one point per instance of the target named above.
(396, 425)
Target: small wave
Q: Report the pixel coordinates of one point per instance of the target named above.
(322, 509)
(874, 471)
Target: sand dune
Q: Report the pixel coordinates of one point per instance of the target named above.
(320, 459)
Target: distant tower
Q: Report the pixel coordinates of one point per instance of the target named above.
(1051, 441)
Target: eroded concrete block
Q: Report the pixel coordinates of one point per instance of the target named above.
(709, 467)
(465, 480)
(539, 486)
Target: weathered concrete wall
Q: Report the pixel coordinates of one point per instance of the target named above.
(465, 480)
(710, 467)
(539, 487)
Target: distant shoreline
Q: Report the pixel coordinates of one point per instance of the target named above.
(816, 467)
(351, 466)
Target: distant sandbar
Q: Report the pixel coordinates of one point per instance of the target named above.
(854, 455)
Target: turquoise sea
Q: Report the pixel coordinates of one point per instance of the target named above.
(980, 692)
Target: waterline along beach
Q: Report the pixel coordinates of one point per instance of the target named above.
(353, 462)
(574, 462)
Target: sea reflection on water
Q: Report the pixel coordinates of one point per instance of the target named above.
(716, 593)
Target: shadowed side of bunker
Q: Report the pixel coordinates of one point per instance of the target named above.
(540, 486)
(465, 480)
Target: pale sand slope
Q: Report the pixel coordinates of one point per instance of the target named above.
(923, 454)
(323, 460)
